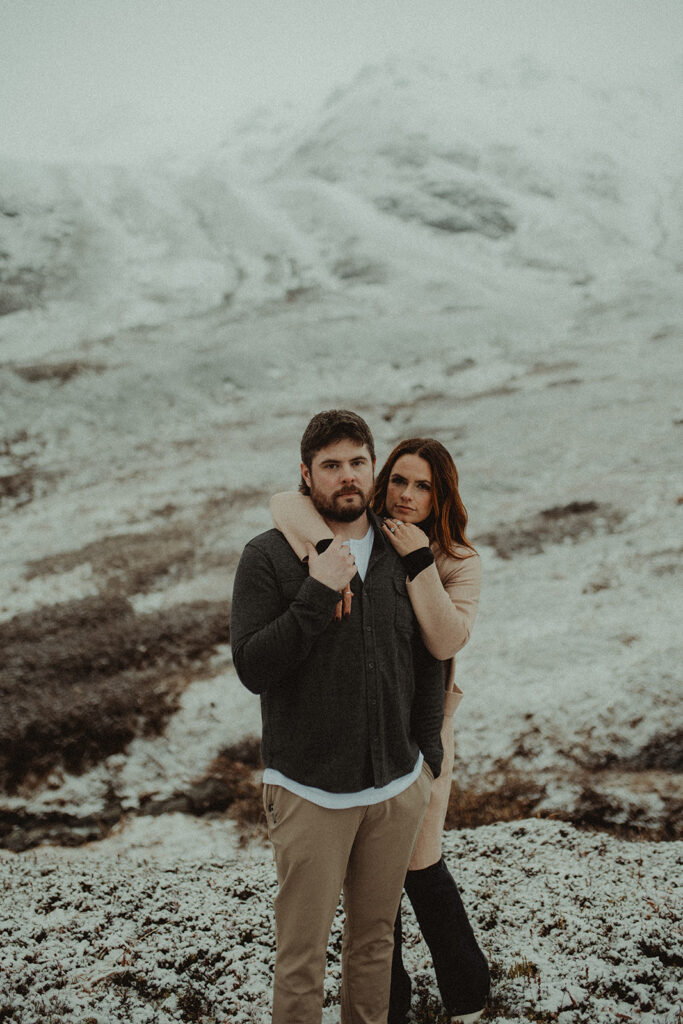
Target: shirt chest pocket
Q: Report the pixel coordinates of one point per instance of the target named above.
(291, 585)
(404, 619)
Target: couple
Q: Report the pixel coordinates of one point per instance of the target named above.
(351, 650)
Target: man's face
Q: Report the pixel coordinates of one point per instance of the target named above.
(341, 480)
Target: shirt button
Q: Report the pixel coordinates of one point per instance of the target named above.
(371, 664)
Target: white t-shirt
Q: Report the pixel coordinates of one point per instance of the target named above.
(361, 551)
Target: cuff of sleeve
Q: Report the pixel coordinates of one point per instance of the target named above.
(316, 593)
(418, 560)
(451, 700)
(322, 545)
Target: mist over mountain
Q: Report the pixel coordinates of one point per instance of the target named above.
(456, 187)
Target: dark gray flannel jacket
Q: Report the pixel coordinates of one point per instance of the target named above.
(345, 705)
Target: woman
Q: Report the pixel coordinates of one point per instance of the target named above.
(424, 518)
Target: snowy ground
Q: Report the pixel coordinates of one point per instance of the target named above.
(578, 928)
(471, 269)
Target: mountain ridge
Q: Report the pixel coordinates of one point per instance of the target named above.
(483, 196)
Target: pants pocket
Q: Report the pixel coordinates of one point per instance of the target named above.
(269, 800)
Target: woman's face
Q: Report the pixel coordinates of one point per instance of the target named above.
(409, 491)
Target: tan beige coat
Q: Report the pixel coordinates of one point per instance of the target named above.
(445, 598)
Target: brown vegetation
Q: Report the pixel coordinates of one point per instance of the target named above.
(18, 453)
(512, 799)
(574, 521)
(61, 372)
(129, 563)
(80, 680)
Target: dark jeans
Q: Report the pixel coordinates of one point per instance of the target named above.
(462, 972)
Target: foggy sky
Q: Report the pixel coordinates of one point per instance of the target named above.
(120, 77)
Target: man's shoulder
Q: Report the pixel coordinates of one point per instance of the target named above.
(273, 544)
(267, 539)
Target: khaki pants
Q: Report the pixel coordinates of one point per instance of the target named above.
(319, 851)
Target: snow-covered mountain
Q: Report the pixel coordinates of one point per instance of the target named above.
(459, 187)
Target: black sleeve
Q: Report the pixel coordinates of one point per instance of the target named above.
(267, 641)
(416, 561)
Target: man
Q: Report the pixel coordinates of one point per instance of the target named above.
(351, 706)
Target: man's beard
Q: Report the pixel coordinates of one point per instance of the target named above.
(332, 508)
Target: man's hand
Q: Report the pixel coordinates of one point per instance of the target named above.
(336, 567)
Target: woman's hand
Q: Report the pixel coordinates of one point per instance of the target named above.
(405, 537)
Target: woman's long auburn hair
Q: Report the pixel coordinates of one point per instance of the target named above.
(448, 518)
